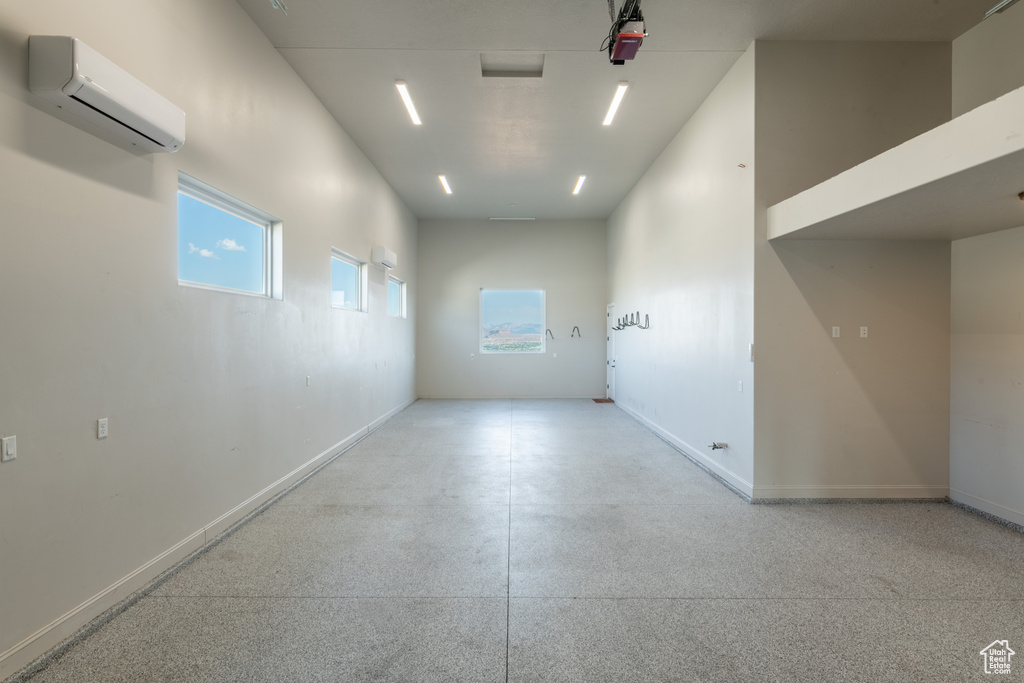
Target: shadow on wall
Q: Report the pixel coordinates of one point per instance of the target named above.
(63, 140)
(890, 390)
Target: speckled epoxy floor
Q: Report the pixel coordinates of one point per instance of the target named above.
(561, 541)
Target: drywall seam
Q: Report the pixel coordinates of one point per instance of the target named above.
(52, 635)
(732, 480)
(1004, 513)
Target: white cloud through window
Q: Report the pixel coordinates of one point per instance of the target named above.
(228, 244)
(205, 253)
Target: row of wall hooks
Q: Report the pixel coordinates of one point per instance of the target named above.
(631, 321)
(575, 332)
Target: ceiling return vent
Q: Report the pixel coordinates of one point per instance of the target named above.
(512, 64)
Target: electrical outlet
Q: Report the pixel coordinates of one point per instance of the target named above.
(835, 333)
(101, 428)
(8, 448)
(864, 332)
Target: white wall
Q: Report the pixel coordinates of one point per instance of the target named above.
(816, 417)
(986, 468)
(205, 391)
(848, 417)
(564, 258)
(988, 60)
(987, 410)
(681, 250)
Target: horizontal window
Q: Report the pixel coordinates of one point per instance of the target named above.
(226, 244)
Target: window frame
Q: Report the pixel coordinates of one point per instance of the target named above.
(273, 242)
(361, 278)
(543, 323)
(402, 310)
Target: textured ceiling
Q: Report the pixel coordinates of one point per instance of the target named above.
(513, 147)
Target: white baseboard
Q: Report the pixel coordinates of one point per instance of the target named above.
(505, 397)
(995, 509)
(732, 479)
(54, 633)
(864, 492)
(376, 424)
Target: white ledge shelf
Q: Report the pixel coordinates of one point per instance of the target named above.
(958, 180)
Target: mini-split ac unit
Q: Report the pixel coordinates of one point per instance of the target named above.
(383, 257)
(78, 79)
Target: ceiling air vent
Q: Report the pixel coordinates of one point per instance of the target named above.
(512, 64)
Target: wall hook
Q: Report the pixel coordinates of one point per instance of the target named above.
(576, 332)
(551, 333)
(647, 321)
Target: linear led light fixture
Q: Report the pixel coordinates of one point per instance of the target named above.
(444, 184)
(1001, 7)
(279, 4)
(620, 92)
(404, 92)
(579, 184)
(513, 219)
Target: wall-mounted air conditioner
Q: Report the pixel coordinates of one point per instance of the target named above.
(383, 257)
(78, 79)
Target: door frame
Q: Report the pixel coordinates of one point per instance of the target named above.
(610, 355)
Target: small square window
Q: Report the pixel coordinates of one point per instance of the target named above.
(226, 244)
(512, 321)
(396, 297)
(347, 281)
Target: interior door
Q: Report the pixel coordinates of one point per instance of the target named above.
(610, 322)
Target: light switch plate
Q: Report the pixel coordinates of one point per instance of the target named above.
(8, 448)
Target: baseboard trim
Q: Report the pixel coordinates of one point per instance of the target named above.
(376, 424)
(506, 397)
(863, 493)
(35, 651)
(239, 512)
(987, 508)
(730, 479)
(65, 627)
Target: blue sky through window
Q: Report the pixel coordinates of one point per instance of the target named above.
(344, 284)
(394, 298)
(219, 248)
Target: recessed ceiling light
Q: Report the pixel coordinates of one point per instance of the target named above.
(1001, 7)
(620, 92)
(579, 184)
(444, 184)
(404, 92)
